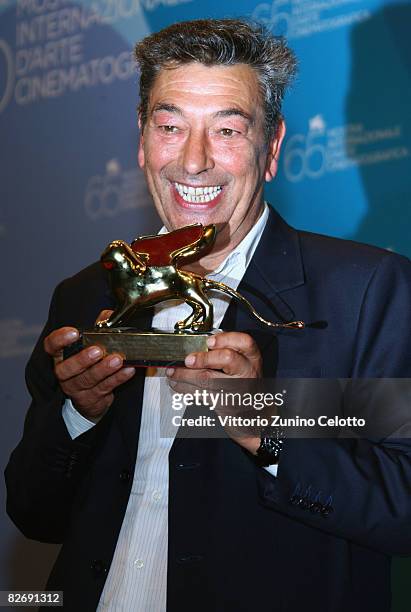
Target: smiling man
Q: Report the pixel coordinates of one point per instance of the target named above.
(204, 149)
(220, 525)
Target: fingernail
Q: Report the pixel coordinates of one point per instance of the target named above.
(95, 352)
(129, 371)
(211, 342)
(190, 360)
(170, 371)
(72, 335)
(115, 361)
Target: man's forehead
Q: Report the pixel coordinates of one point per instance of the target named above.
(210, 69)
(220, 88)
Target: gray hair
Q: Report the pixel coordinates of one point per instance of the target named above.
(220, 42)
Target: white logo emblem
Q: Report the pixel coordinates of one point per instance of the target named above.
(317, 124)
(324, 149)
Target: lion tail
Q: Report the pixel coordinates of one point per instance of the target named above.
(210, 284)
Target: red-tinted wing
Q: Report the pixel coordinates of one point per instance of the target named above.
(159, 248)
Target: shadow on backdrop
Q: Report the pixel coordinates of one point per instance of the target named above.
(380, 92)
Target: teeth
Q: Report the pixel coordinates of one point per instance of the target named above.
(198, 195)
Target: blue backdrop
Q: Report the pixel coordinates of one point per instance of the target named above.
(69, 181)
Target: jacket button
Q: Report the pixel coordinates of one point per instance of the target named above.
(304, 503)
(72, 460)
(315, 506)
(326, 510)
(125, 476)
(98, 567)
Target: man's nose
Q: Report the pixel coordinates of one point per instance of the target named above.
(197, 155)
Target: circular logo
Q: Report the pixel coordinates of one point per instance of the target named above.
(103, 197)
(6, 59)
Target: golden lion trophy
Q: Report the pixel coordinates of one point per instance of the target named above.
(147, 272)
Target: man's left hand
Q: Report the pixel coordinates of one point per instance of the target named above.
(231, 355)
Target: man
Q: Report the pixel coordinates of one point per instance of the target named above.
(149, 523)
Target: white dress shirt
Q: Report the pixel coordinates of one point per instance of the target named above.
(137, 579)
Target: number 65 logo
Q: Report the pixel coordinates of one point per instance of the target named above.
(303, 157)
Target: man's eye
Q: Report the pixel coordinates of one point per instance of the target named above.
(228, 132)
(169, 129)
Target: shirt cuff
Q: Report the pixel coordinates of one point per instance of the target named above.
(75, 422)
(272, 469)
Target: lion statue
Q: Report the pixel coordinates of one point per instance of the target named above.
(147, 272)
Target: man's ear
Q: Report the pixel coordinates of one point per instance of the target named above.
(140, 154)
(273, 153)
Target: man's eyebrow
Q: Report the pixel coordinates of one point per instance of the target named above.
(229, 112)
(170, 108)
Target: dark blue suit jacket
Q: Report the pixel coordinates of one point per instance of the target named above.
(320, 535)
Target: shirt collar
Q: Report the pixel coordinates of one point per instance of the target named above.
(244, 251)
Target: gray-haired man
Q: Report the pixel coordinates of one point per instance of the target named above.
(148, 523)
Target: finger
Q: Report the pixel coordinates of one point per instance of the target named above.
(104, 314)
(58, 339)
(89, 399)
(201, 378)
(189, 378)
(184, 387)
(213, 387)
(85, 363)
(228, 360)
(188, 375)
(237, 341)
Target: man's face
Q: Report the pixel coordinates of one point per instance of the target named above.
(203, 148)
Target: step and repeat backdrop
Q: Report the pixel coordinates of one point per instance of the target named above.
(69, 182)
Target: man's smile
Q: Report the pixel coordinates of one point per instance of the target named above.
(190, 196)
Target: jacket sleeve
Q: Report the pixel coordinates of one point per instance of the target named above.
(359, 489)
(45, 469)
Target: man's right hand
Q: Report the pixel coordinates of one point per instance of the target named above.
(87, 378)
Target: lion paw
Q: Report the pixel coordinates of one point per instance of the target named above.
(200, 327)
(103, 323)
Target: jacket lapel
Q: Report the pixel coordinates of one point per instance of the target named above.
(276, 266)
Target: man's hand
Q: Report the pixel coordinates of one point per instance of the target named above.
(232, 355)
(87, 378)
